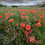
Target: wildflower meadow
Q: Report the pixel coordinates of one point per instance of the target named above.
(22, 26)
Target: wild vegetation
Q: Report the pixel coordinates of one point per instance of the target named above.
(22, 26)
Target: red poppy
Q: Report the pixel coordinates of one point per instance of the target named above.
(11, 20)
(23, 13)
(42, 14)
(1, 13)
(28, 41)
(16, 24)
(24, 22)
(10, 14)
(38, 24)
(28, 27)
(0, 16)
(27, 33)
(35, 14)
(34, 17)
(6, 14)
(22, 25)
(38, 21)
(22, 17)
(30, 31)
(7, 26)
(6, 17)
(26, 17)
(31, 11)
(32, 26)
(41, 17)
(42, 21)
(31, 39)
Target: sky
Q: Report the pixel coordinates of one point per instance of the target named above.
(23, 2)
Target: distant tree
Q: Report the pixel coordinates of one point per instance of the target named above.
(43, 5)
(14, 6)
(2, 5)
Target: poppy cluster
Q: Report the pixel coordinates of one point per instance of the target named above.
(24, 26)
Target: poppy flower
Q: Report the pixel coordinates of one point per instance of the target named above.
(31, 39)
(37, 38)
(10, 14)
(42, 21)
(0, 16)
(26, 10)
(42, 14)
(6, 17)
(24, 22)
(26, 17)
(31, 11)
(30, 31)
(32, 26)
(38, 20)
(41, 17)
(6, 14)
(38, 41)
(7, 26)
(23, 13)
(27, 33)
(28, 41)
(1, 13)
(35, 14)
(11, 20)
(28, 27)
(21, 17)
(35, 41)
(34, 17)
(17, 34)
(16, 24)
(22, 25)
(38, 24)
